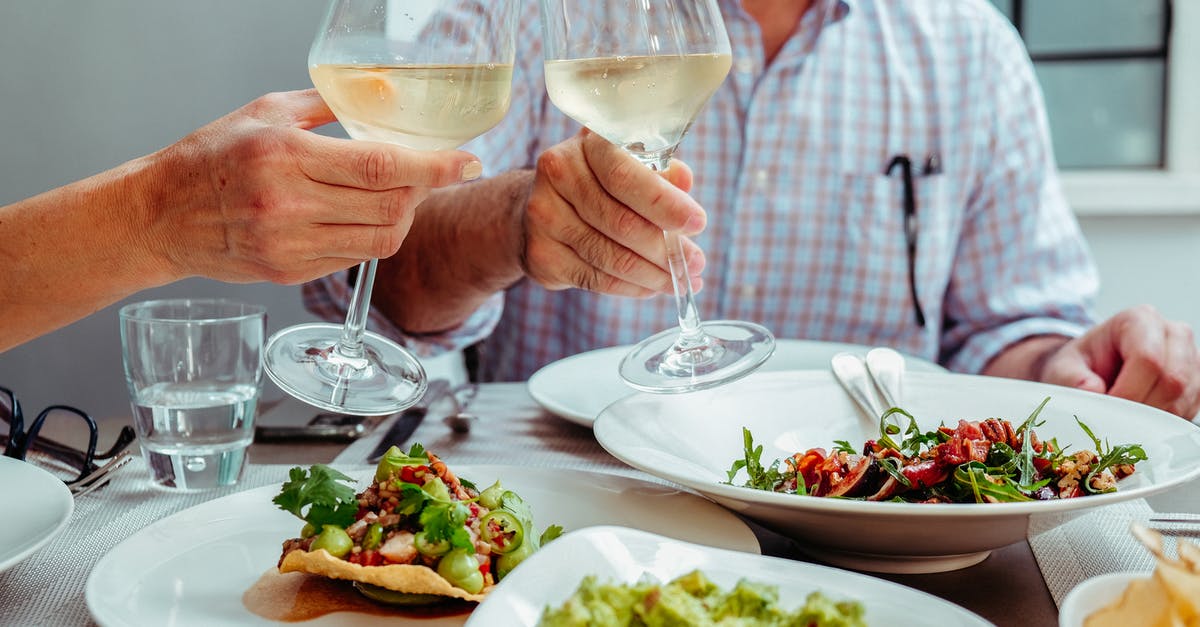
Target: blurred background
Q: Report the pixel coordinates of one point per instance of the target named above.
(89, 85)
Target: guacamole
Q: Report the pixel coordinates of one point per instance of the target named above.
(693, 600)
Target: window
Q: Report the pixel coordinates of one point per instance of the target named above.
(1112, 72)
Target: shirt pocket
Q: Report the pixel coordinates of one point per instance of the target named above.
(874, 251)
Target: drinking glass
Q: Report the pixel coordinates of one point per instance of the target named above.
(637, 72)
(424, 74)
(194, 370)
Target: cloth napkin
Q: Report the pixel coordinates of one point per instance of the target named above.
(1071, 548)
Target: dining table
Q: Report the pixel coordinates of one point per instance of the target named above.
(1020, 584)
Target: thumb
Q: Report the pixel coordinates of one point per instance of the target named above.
(303, 109)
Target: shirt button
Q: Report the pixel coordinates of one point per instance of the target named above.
(749, 291)
(745, 65)
(762, 178)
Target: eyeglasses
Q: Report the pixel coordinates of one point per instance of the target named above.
(19, 442)
(932, 166)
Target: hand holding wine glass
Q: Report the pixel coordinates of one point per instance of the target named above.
(638, 73)
(424, 74)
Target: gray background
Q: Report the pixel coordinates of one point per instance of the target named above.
(89, 84)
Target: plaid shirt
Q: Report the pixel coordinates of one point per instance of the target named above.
(806, 232)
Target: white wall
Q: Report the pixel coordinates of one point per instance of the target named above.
(1148, 259)
(88, 85)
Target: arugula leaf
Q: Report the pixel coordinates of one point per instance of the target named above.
(844, 445)
(1027, 472)
(323, 492)
(1110, 456)
(974, 478)
(761, 478)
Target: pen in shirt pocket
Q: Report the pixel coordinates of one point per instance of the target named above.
(932, 166)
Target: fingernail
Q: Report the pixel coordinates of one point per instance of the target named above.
(695, 224)
(471, 171)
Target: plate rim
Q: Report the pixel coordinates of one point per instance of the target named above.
(718, 491)
(717, 554)
(98, 612)
(61, 495)
(534, 386)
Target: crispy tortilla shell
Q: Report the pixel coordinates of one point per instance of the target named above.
(408, 578)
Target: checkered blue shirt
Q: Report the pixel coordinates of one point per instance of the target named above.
(806, 232)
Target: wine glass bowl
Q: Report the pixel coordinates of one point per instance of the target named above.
(424, 74)
(637, 73)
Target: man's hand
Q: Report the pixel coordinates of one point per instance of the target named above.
(595, 220)
(1138, 355)
(255, 196)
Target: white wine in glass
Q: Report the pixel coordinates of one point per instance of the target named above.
(424, 74)
(638, 72)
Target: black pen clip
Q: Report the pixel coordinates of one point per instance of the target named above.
(910, 221)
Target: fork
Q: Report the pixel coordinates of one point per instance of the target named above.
(100, 477)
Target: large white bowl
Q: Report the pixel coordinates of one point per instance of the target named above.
(621, 555)
(692, 439)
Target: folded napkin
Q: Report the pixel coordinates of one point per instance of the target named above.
(1071, 547)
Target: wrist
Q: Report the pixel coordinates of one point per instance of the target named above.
(148, 188)
(1025, 358)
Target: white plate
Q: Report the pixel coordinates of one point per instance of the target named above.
(692, 439)
(36, 507)
(627, 555)
(192, 568)
(579, 387)
(1093, 594)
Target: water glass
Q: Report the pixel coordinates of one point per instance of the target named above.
(194, 372)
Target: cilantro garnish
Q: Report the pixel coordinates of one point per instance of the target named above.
(444, 521)
(323, 491)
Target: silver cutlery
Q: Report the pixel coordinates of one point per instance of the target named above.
(100, 477)
(879, 376)
(409, 419)
(459, 420)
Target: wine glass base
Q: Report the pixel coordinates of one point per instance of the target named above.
(303, 361)
(731, 350)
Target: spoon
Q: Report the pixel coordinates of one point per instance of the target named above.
(886, 368)
(851, 371)
(460, 421)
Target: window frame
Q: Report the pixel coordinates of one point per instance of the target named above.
(1173, 189)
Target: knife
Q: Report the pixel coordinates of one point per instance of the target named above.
(409, 419)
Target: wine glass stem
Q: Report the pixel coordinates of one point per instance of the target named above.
(351, 343)
(690, 333)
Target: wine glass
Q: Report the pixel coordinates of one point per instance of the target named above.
(637, 72)
(425, 74)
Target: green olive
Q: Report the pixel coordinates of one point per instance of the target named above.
(461, 569)
(373, 537)
(436, 488)
(308, 531)
(431, 549)
(333, 539)
(391, 463)
(490, 498)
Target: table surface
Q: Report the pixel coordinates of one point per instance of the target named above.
(1007, 588)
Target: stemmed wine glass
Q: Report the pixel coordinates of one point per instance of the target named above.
(425, 74)
(637, 72)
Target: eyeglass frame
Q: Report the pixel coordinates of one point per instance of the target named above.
(20, 441)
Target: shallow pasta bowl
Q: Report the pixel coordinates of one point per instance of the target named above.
(693, 439)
